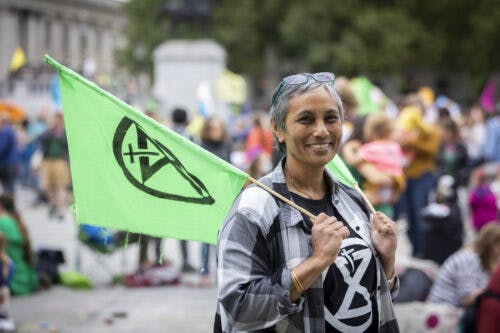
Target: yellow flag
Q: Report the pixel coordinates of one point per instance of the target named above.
(231, 87)
(18, 59)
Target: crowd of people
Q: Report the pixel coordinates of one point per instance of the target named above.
(434, 168)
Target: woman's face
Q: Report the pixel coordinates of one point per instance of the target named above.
(313, 128)
(216, 130)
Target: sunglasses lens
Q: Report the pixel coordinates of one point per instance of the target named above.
(324, 76)
(295, 79)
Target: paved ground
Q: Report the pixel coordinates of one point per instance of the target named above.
(165, 309)
(60, 309)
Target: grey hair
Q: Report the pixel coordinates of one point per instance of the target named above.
(279, 109)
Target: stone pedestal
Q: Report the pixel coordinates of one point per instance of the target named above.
(185, 74)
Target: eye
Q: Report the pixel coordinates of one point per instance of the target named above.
(332, 118)
(306, 119)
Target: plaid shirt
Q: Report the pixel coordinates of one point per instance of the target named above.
(261, 240)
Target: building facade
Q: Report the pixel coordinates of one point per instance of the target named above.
(81, 34)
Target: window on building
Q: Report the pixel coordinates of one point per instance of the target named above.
(65, 41)
(84, 41)
(22, 29)
(48, 35)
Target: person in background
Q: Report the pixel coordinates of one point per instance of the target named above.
(452, 158)
(489, 305)
(6, 274)
(8, 154)
(420, 144)
(491, 152)
(145, 262)
(259, 140)
(350, 104)
(55, 168)
(464, 275)
(379, 161)
(473, 134)
(443, 222)
(25, 279)
(179, 124)
(214, 138)
(482, 201)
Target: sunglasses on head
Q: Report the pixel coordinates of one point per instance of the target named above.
(302, 78)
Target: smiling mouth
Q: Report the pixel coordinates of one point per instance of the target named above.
(319, 145)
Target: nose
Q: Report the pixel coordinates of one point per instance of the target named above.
(320, 129)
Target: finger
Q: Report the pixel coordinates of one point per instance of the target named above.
(374, 220)
(337, 225)
(321, 217)
(387, 230)
(331, 220)
(344, 232)
(384, 220)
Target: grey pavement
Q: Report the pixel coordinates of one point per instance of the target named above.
(116, 309)
(107, 308)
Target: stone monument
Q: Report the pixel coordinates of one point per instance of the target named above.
(186, 70)
(186, 73)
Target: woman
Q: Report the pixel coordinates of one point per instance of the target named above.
(214, 138)
(25, 278)
(465, 274)
(271, 257)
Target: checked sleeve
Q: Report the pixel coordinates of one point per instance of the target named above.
(253, 281)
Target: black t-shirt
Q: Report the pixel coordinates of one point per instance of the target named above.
(350, 284)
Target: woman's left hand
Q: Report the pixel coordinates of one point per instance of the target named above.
(384, 238)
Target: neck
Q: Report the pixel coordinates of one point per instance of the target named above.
(305, 179)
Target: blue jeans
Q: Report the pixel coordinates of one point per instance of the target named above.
(413, 200)
(205, 258)
(7, 178)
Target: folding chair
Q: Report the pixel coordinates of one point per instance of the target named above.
(99, 243)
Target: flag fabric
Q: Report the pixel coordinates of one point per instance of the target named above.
(18, 59)
(132, 173)
(341, 172)
(487, 98)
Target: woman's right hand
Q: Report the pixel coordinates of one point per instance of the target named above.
(327, 235)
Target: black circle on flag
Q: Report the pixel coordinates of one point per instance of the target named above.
(141, 158)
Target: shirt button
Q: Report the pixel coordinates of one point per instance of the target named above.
(357, 228)
(378, 288)
(336, 201)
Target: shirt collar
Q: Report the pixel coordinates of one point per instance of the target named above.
(292, 215)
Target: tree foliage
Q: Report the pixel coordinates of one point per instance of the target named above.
(349, 37)
(145, 30)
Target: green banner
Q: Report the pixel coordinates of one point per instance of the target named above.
(132, 173)
(340, 171)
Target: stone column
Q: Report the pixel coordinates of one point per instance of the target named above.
(35, 39)
(106, 60)
(74, 59)
(10, 40)
(186, 69)
(91, 43)
(57, 40)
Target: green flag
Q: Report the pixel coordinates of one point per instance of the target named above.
(132, 173)
(343, 175)
(341, 172)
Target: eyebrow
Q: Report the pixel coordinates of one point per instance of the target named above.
(307, 111)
